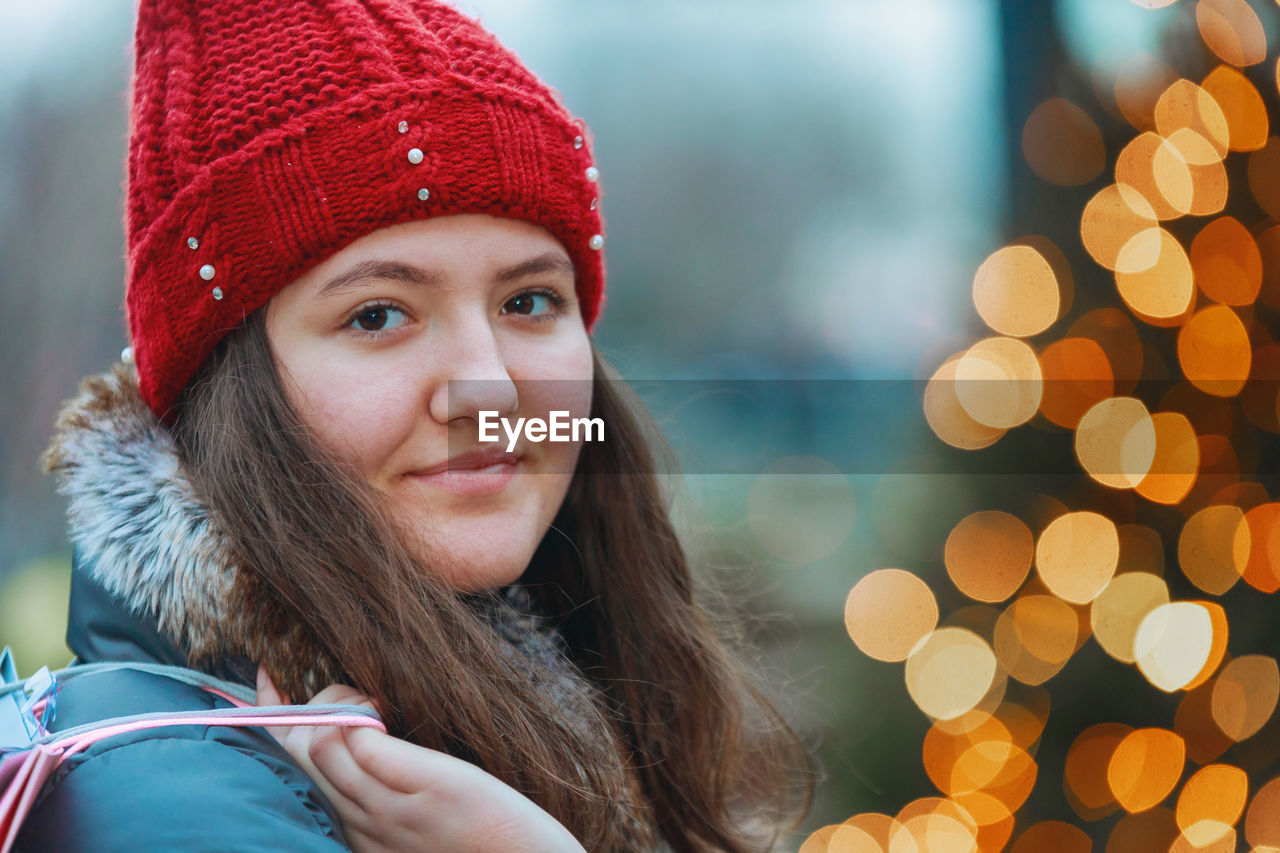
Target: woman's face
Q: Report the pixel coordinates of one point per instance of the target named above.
(372, 344)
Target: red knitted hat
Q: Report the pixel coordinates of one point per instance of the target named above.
(268, 134)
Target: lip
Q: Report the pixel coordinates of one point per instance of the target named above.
(481, 472)
(471, 461)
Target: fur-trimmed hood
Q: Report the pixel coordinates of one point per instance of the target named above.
(154, 580)
(147, 547)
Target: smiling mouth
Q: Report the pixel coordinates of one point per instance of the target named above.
(487, 480)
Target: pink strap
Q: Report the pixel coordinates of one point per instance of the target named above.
(74, 744)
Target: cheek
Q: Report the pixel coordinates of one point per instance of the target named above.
(357, 415)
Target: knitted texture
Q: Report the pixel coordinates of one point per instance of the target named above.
(268, 134)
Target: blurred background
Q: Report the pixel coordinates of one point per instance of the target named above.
(1003, 275)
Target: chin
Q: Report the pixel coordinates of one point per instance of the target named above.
(473, 560)
(478, 578)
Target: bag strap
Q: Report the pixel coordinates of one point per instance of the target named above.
(72, 740)
(75, 739)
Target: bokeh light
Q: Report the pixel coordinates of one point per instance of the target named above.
(1077, 555)
(1016, 292)
(948, 418)
(1242, 105)
(1120, 608)
(1119, 229)
(1213, 548)
(888, 613)
(1244, 695)
(1210, 803)
(1161, 289)
(1077, 376)
(1184, 106)
(1173, 643)
(1145, 767)
(1062, 144)
(1214, 351)
(1232, 30)
(949, 672)
(1035, 637)
(1264, 177)
(1150, 165)
(1176, 460)
(1166, 390)
(999, 383)
(988, 555)
(1262, 821)
(1116, 442)
(1227, 262)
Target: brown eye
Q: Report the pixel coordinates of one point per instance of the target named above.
(537, 302)
(377, 318)
(522, 304)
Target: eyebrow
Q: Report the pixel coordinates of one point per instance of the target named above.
(398, 271)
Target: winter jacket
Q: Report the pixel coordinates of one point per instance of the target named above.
(152, 582)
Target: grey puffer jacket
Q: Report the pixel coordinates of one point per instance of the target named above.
(153, 582)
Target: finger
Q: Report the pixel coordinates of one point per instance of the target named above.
(399, 765)
(303, 743)
(331, 755)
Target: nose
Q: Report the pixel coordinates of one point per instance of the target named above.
(473, 377)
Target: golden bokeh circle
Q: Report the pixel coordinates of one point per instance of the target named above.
(888, 613)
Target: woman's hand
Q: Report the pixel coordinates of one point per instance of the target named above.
(395, 796)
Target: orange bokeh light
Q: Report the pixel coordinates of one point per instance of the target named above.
(1085, 770)
(1035, 637)
(1244, 695)
(1145, 768)
(1176, 461)
(1163, 289)
(1214, 351)
(947, 418)
(1242, 105)
(1227, 262)
(1016, 291)
(1116, 442)
(1262, 571)
(1114, 229)
(988, 555)
(1186, 106)
(1120, 608)
(1213, 548)
(1158, 171)
(1211, 802)
(1062, 144)
(1077, 376)
(1232, 30)
(1262, 822)
(950, 672)
(999, 383)
(888, 612)
(1111, 329)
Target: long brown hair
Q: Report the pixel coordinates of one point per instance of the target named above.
(321, 562)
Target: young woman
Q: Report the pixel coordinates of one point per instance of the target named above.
(354, 227)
